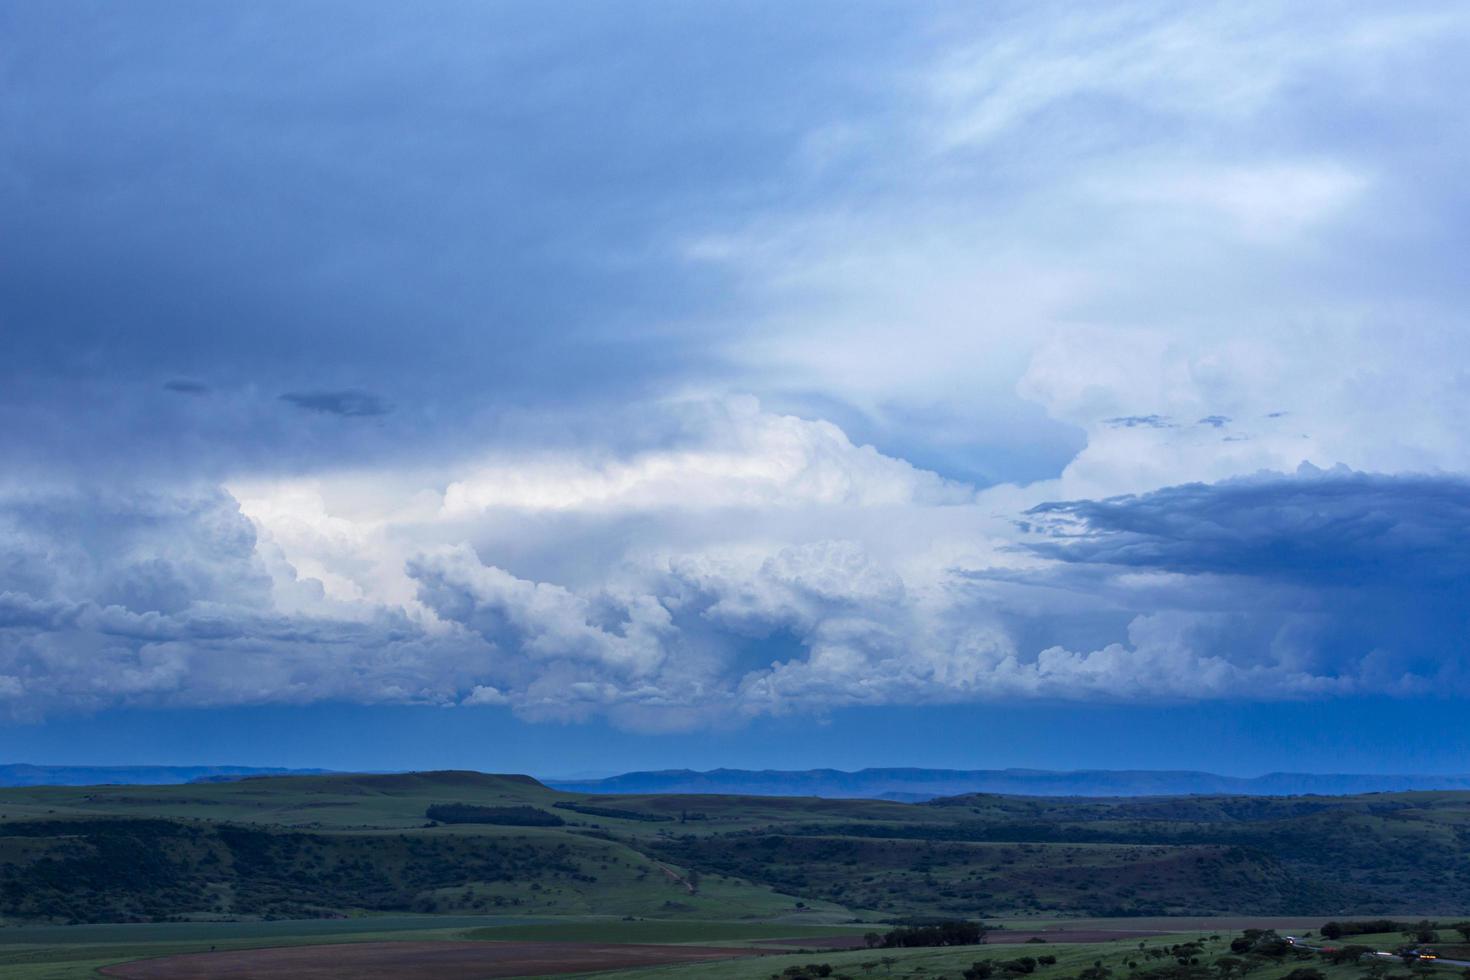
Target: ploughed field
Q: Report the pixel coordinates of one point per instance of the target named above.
(470, 844)
(414, 961)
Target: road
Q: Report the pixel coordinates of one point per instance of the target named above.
(1379, 953)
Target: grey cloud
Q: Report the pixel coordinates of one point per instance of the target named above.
(348, 403)
(184, 386)
(1136, 421)
(1217, 421)
(1316, 528)
(1361, 577)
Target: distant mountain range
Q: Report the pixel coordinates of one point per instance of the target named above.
(917, 785)
(906, 785)
(21, 774)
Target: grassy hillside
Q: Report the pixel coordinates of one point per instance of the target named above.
(318, 846)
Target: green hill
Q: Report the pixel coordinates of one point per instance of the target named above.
(332, 845)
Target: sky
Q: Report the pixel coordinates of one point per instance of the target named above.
(592, 387)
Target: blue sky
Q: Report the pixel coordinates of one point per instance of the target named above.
(602, 387)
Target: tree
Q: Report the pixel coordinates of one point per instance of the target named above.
(1422, 931)
(1463, 928)
(1229, 966)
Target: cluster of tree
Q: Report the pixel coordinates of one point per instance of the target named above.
(809, 971)
(504, 816)
(1010, 969)
(1260, 942)
(1423, 931)
(954, 933)
(1336, 930)
(1351, 953)
(613, 813)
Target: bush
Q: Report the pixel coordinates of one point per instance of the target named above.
(1305, 973)
(1350, 953)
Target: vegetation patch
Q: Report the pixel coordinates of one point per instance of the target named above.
(502, 816)
(613, 813)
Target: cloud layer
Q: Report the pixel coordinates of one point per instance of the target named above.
(825, 576)
(660, 365)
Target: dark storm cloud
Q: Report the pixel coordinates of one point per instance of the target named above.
(1317, 528)
(347, 403)
(1359, 577)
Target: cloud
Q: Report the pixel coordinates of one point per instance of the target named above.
(838, 577)
(183, 386)
(720, 389)
(1134, 421)
(1361, 578)
(347, 403)
(1316, 528)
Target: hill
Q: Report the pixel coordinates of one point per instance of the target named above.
(332, 845)
(917, 785)
(24, 774)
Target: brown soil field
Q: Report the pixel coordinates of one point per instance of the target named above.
(412, 961)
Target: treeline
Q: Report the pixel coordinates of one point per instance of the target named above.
(1423, 931)
(1247, 841)
(503, 816)
(614, 813)
(953, 933)
(1008, 969)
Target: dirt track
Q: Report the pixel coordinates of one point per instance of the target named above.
(412, 961)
